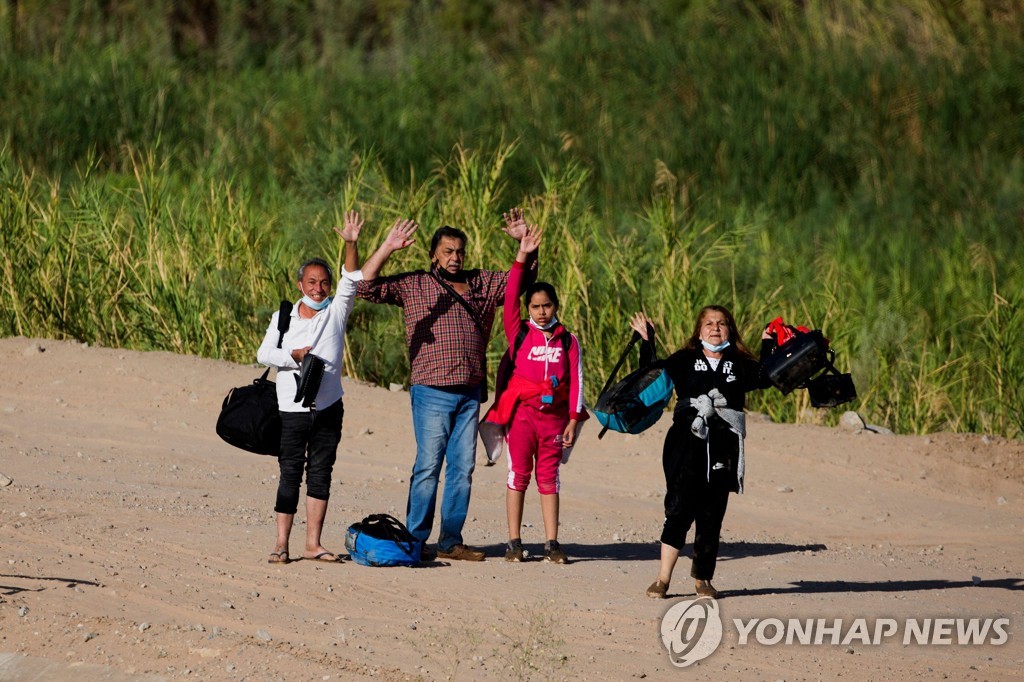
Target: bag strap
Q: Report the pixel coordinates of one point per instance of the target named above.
(284, 319)
(389, 528)
(611, 377)
(463, 302)
(524, 329)
(622, 359)
(479, 326)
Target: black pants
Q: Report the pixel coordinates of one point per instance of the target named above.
(309, 440)
(705, 506)
(690, 499)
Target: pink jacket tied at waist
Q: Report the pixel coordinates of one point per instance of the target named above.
(519, 390)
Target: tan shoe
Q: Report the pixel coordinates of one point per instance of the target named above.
(657, 590)
(705, 589)
(461, 553)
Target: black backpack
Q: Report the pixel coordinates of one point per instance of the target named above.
(249, 417)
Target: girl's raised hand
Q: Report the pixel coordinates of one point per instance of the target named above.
(531, 239)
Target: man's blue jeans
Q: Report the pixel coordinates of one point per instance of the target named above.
(444, 420)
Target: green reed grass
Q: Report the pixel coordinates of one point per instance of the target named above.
(850, 166)
(150, 263)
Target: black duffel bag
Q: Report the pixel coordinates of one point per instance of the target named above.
(249, 417)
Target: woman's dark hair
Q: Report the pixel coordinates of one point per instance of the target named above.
(538, 287)
(446, 231)
(734, 334)
(316, 261)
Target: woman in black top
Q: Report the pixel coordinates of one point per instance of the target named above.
(703, 453)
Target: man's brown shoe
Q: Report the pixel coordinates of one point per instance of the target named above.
(657, 590)
(461, 553)
(705, 589)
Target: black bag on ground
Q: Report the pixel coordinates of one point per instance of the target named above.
(249, 417)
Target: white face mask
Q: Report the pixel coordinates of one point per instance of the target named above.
(549, 325)
(314, 305)
(715, 349)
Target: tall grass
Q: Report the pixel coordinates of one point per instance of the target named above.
(856, 167)
(197, 269)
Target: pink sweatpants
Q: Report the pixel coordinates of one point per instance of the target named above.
(535, 434)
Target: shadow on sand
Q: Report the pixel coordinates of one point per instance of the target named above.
(8, 590)
(854, 586)
(650, 551)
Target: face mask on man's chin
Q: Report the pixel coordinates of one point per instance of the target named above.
(459, 276)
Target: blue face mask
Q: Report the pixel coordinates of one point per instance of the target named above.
(549, 325)
(314, 305)
(715, 349)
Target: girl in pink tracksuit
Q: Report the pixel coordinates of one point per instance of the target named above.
(542, 404)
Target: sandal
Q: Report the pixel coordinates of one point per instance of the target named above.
(326, 557)
(279, 557)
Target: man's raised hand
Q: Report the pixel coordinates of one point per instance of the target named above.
(401, 235)
(353, 226)
(515, 224)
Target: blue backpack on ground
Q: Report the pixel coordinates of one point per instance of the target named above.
(382, 540)
(636, 402)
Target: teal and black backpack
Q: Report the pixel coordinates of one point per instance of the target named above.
(636, 402)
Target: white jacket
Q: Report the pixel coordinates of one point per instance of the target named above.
(325, 332)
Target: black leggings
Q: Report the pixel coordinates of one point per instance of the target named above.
(690, 498)
(318, 434)
(704, 505)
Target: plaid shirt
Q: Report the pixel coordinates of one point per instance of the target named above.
(446, 346)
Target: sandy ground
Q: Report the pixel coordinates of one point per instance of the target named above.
(132, 538)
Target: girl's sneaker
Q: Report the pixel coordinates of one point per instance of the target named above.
(554, 554)
(515, 551)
